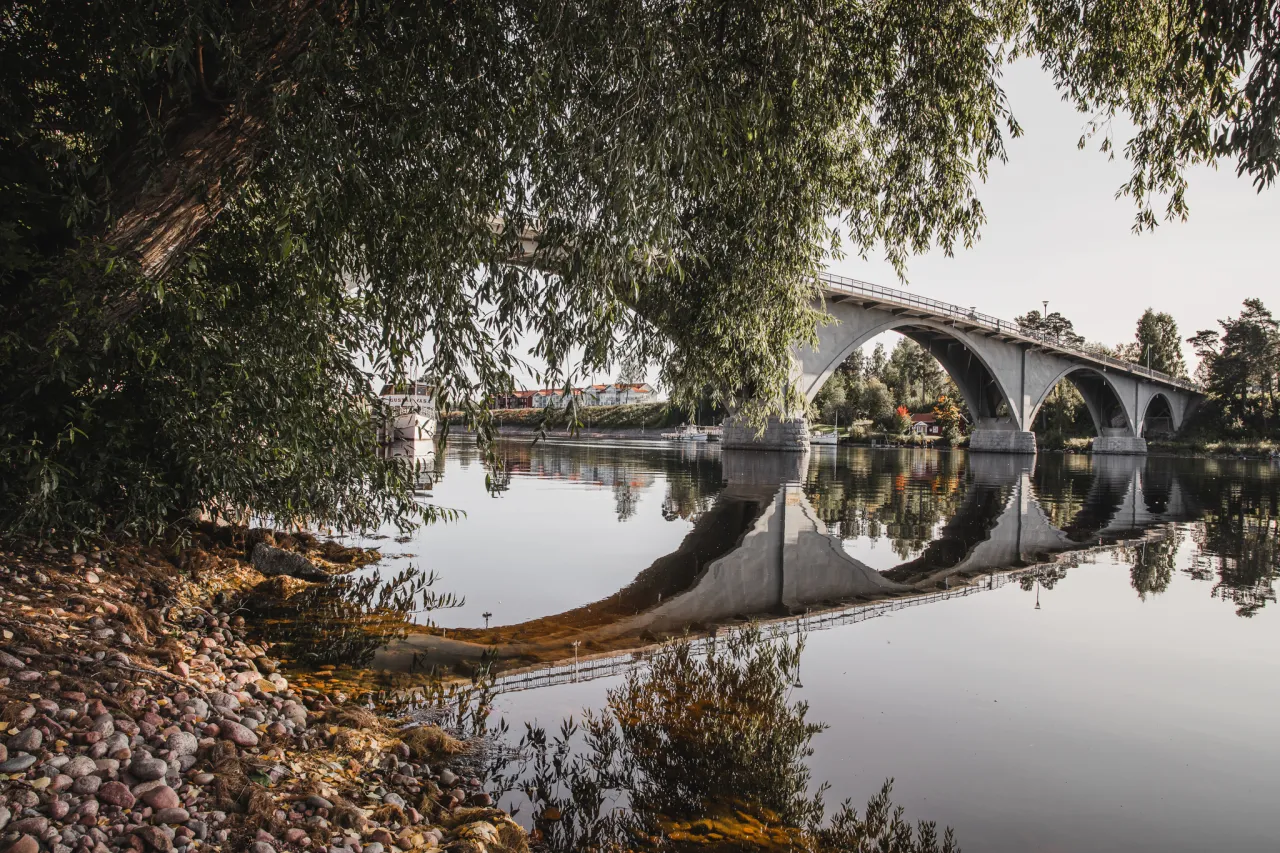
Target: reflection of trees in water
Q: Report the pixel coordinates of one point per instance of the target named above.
(1243, 551)
(345, 621)
(693, 479)
(1062, 485)
(901, 496)
(688, 497)
(1046, 577)
(700, 753)
(1238, 537)
(625, 498)
(1152, 562)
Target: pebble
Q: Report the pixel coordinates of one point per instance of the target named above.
(261, 847)
(86, 785)
(238, 734)
(27, 740)
(18, 763)
(116, 794)
(10, 661)
(182, 743)
(32, 825)
(161, 797)
(171, 815)
(448, 778)
(80, 765)
(25, 844)
(315, 801)
(146, 768)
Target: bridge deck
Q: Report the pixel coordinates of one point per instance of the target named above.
(873, 295)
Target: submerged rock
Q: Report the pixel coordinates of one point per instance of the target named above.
(272, 562)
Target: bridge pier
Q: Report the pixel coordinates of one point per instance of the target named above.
(785, 434)
(1002, 441)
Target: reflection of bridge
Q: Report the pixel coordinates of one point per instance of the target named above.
(762, 552)
(1004, 372)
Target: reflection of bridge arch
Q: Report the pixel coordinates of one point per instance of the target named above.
(761, 551)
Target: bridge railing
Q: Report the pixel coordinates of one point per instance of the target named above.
(969, 315)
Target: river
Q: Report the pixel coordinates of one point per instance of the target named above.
(1051, 654)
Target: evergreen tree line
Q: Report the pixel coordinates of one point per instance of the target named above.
(1240, 369)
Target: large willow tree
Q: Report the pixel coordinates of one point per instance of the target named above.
(217, 215)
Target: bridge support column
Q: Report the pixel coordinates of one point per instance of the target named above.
(1002, 441)
(788, 434)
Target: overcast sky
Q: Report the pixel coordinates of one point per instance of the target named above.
(1056, 231)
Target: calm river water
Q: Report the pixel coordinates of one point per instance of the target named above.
(1063, 654)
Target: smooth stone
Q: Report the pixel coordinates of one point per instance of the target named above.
(171, 815)
(182, 743)
(146, 768)
(87, 785)
(447, 778)
(116, 794)
(238, 734)
(81, 765)
(27, 740)
(316, 801)
(25, 844)
(161, 797)
(261, 847)
(394, 800)
(18, 763)
(34, 825)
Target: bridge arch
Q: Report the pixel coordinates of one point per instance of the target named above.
(968, 367)
(1102, 398)
(1158, 417)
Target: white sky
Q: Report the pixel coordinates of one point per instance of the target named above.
(1056, 231)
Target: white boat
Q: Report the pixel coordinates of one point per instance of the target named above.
(832, 438)
(688, 433)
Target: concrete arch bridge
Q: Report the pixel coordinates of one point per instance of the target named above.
(1004, 373)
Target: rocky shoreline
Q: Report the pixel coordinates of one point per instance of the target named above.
(135, 715)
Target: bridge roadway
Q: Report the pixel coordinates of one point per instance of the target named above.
(762, 552)
(1004, 372)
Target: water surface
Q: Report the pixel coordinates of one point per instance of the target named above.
(1055, 654)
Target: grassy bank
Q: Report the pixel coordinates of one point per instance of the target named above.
(1259, 448)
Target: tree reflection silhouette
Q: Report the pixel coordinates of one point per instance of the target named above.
(1151, 563)
(703, 752)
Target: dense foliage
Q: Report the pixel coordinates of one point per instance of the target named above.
(219, 218)
(1240, 368)
(873, 387)
(1158, 344)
